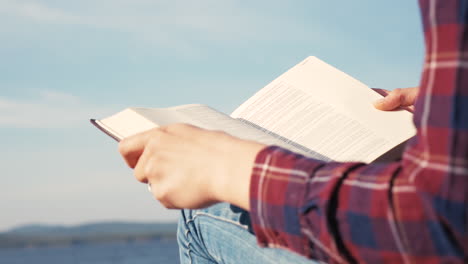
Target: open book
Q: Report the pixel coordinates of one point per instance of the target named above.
(313, 109)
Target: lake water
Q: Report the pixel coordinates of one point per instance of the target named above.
(141, 252)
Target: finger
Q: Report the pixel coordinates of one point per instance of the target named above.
(397, 98)
(389, 102)
(152, 163)
(162, 196)
(144, 168)
(409, 96)
(131, 148)
(393, 100)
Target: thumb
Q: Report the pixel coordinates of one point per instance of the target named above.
(397, 98)
(387, 103)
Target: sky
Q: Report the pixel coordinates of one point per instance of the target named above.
(64, 62)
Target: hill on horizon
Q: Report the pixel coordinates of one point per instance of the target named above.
(39, 235)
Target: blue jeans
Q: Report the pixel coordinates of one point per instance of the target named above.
(223, 234)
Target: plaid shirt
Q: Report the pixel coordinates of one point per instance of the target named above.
(411, 211)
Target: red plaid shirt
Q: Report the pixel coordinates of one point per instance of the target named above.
(411, 211)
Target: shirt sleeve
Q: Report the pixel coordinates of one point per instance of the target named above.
(409, 211)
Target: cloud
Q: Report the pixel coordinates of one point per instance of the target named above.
(125, 15)
(51, 109)
(170, 22)
(188, 29)
(36, 11)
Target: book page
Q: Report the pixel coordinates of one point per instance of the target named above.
(327, 111)
(135, 120)
(209, 118)
(124, 124)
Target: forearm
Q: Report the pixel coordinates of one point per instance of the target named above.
(350, 211)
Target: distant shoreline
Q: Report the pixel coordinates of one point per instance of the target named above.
(33, 236)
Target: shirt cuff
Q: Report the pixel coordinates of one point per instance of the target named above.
(277, 191)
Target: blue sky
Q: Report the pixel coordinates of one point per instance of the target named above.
(63, 62)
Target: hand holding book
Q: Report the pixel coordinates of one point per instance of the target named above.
(189, 167)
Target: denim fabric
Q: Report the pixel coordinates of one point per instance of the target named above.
(223, 234)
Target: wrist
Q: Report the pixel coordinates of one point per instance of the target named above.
(234, 184)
